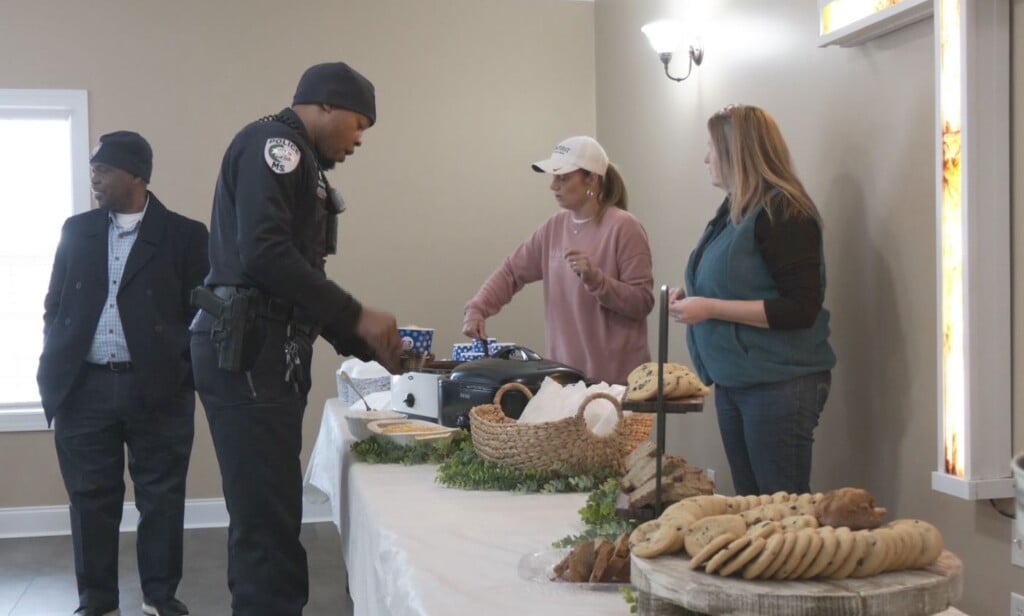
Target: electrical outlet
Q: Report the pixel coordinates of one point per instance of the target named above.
(1016, 604)
(710, 472)
(1016, 549)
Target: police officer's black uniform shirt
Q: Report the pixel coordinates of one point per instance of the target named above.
(269, 228)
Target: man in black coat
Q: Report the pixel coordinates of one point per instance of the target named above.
(116, 371)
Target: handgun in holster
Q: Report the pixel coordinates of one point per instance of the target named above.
(234, 316)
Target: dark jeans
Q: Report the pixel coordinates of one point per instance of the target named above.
(103, 414)
(256, 424)
(768, 432)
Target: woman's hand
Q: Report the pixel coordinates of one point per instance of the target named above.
(690, 310)
(676, 293)
(474, 328)
(579, 263)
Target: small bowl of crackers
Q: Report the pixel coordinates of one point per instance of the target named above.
(410, 431)
(359, 421)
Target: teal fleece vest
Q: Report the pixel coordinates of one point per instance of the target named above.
(736, 355)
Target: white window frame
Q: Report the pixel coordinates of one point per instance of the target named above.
(74, 105)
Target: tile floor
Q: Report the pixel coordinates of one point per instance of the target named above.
(37, 575)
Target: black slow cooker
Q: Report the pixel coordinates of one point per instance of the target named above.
(474, 383)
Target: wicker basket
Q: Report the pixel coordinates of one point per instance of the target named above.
(566, 444)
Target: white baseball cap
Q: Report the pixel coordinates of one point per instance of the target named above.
(574, 153)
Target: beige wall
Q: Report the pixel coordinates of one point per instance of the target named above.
(860, 126)
(469, 93)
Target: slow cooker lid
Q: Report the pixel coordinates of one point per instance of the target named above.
(497, 371)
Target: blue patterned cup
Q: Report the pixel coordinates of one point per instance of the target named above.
(418, 339)
(459, 350)
(478, 345)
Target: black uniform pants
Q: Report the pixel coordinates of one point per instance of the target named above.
(255, 419)
(103, 414)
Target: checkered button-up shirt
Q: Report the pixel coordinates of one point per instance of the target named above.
(108, 343)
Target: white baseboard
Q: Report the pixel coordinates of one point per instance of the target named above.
(199, 513)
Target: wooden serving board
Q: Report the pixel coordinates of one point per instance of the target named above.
(681, 405)
(667, 587)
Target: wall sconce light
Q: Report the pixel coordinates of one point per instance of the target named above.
(665, 37)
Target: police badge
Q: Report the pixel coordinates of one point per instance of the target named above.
(282, 155)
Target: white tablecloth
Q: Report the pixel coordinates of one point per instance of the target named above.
(413, 547)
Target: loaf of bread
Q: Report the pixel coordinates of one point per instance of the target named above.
(684, 483)
(851, 507)
(596, 561)
(679, 480)
(645, 469)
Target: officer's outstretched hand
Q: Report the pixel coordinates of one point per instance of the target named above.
(380, 331)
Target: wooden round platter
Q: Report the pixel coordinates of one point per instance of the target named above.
(668, 587)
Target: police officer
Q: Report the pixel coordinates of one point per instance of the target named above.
(274, 222)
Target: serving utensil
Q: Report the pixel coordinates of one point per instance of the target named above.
(348, 381)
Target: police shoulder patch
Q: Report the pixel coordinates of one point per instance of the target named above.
(281, 154)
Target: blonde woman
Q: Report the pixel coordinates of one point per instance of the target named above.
(595, 263)
(755, 285)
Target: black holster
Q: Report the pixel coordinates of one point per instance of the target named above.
(234, 309)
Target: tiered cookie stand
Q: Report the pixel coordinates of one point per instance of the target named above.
(661, 406)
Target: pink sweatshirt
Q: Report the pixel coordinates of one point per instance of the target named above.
(601, 330)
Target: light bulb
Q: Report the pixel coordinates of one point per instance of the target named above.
(665, 35)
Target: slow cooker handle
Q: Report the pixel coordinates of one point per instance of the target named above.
(522, 353)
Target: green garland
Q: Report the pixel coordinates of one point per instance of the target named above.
(468, 471)
(600, 517)
(386, 451)
(462, 468)
(630, 599)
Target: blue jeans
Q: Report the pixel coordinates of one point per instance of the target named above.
(768, 432)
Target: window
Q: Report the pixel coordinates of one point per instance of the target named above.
(44, 178)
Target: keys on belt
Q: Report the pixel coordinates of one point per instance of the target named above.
(112, 366)
(292, 361)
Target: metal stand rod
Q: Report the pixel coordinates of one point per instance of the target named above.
(662, 358)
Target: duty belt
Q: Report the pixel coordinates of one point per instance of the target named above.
(270, 308)
(266, 306)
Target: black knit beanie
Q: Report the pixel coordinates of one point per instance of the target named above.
(127, 151)
(339, 85)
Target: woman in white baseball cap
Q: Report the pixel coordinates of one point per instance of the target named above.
(595, 263)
